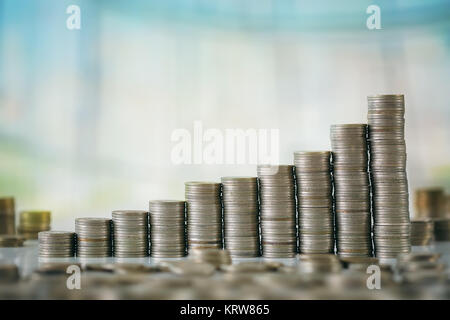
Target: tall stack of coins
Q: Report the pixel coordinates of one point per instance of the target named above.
(33, 222)
(422, 232)
(57, 244)
(204, 214)
(241, 216)
(388, 175)
(277, 211)
(7, 216)
(167, 228)
(94, 237)
(130, 233)
(314, 202)
(352, 190)
(429, 203)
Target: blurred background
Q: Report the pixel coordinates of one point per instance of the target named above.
(86, 116)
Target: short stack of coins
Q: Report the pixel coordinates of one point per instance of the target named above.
(167, 228)
(442, 229)
(7, 216)
(204, 214)
(130, 233)
(11, 241)
(33, 222)
(94, 236)
(277, 211)
(57, 244)
(314, 202)
(351, 190)
(388, 175)
(241, 216)
(422, 232)
(429, 203)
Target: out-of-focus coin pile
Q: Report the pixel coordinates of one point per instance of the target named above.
(314, 201)
(312, 276)
(420, 268)
(277, 211)
(7, 216)
(388, 175)
(11, 241)
(422, 232)
(204, 214)
(167, 228)
(241, 216)
(215, 257)
(33, 222)
(9, 273)
(359, 263)
(130, 233)
(442, 229)
(429, 203)
(352, 189)
(319, 263)
(94, 236)
(57, 244)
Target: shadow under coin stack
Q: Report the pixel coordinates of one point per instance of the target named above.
(7, 216)
(314, 202)
(57, 244)
(351, 190)
(33, 222)
(388, 175)
(94, 237)
(167, 228)
(204, 214)
(241, 216)
(130, 233)
(277, 211)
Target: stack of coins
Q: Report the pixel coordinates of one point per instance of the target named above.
(130, 233)
(94, 237)
(57, 244)
(447, 206)
(33, 222)
(7, 216)
(11, 241)
(429, 203)
(204, 214)
(216, 257)
(422, 232)
(277, 211)
(352, 190)
(314, 202)
(442, 229)
(167, 228)
(388, 175)
(241, 216)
